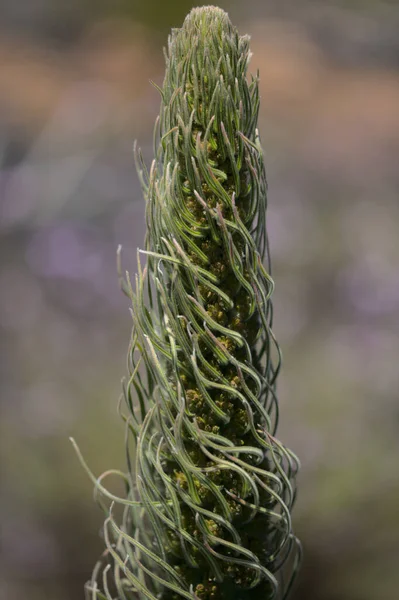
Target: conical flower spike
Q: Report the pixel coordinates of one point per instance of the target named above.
(210, 488)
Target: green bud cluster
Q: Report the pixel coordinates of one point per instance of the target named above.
(210, 488)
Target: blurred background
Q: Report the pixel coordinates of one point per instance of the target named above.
(74, 94)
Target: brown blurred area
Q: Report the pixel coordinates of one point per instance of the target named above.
(74, 94)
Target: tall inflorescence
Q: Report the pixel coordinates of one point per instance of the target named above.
(210, 489)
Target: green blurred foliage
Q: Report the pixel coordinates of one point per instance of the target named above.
(160, 16)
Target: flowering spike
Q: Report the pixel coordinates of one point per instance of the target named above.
(207, 513)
